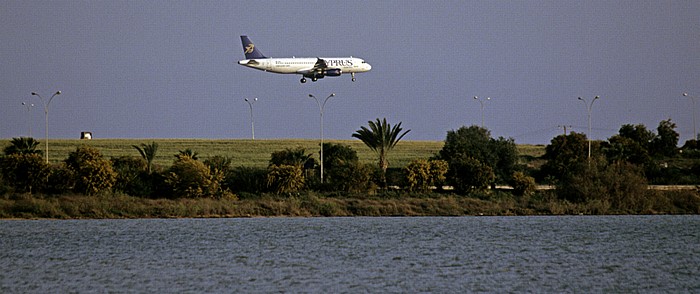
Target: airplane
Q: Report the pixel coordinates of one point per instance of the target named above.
(313, 68)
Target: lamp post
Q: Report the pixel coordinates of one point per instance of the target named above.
(29, 118)
(252, 122)
(695, 132)
(589, 106)
(482, 108)
(321, 107)
(46, 115)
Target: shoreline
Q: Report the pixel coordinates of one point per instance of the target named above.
(542, 203)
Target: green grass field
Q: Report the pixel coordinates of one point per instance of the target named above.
(245, 152)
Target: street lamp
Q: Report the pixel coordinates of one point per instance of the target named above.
(482, 108)
(46, 115)
(252, 122)
(29, 118)
(321, 107)
(695, 132)
(589, 106)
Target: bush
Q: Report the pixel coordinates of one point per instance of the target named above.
(93, 174)
(285, 178)
(352, 177)
(467, 174)
(189, 178)
(523, 185)
(421, 174)
(621, 184)
(246, 179)
(61, 179)
(25, 172)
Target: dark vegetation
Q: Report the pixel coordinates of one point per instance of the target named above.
(473, 174)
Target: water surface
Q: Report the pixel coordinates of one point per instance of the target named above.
(419, 254)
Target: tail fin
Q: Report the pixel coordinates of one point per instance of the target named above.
(249, 49)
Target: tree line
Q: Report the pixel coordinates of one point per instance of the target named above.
(471, 161)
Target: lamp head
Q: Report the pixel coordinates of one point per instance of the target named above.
(256, 99)
(596, 97)
(246, 99)
(685, 94)
(311, 96)
(475, 97)
(332, 94)
(579, 98)
(34, 93)
(58, 93)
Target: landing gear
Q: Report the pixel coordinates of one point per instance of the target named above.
(314, 79)
(352, 74)
(303, 80)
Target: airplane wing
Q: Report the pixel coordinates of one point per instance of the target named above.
(319, 66)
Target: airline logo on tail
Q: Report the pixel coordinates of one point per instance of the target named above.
(249, 49)
(313, 68)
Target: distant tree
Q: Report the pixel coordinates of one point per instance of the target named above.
(666, 142)
(639, 134)
(564, 153)
(619, 148)
(23, 145)
(148, 152)
(501, 154)
(381, 137)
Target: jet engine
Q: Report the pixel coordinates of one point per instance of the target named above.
(334, 72)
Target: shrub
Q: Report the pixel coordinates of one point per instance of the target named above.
(189, 178)
(246, 179)
(352, 177)
(25, 172)
(523, 185)
(61, 179)
(621, 184)
(133, 177)
(421, 174)
(93, 174)
(467, 174)
(285, 178)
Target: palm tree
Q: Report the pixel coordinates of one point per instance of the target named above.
(148, 152)
(22, 145)
(187, 153)
(381, 138)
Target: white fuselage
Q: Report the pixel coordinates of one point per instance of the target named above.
(306, 65)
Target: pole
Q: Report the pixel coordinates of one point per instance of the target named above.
(46, 116)
(589, 107)
(482, 109)
(321, 108)
(695, 132)
(252, 122)
(29, 117)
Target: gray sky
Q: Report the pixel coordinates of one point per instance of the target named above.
(168, 69)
